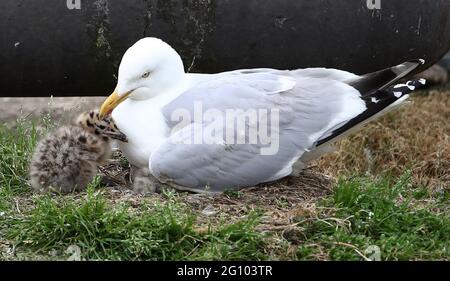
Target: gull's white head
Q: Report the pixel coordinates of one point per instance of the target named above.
(148, 68)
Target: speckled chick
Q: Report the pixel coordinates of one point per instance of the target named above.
(67, 159)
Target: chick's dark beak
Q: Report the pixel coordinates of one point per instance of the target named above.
(117, 136)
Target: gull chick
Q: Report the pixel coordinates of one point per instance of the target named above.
(67, 159)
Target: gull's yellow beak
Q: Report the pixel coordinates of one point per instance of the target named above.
(111, 102)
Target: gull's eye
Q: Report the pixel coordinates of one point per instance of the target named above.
(146, 74)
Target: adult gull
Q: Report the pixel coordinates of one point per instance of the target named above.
(212, 132)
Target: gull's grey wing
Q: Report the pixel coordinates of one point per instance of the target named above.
(315, 72)
(308, 108)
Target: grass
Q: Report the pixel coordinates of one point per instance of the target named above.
(383, 214)
(15, 147)
(387, 198)
(152, 231)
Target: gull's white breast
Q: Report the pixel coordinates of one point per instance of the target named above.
(144, 125)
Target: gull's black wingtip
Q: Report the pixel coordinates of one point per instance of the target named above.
(376, 103)
(372, 82)
(407, 67)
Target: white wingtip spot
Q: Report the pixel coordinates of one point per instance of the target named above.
(411, 87)
(405, 85)
(422, 81)
(374, 100)
(398, 94)
(422, 61)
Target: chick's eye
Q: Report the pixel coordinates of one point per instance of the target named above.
(146, 74)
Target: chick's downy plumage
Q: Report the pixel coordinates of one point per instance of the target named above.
(67, 159)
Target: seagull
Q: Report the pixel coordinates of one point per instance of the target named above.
(222, 131)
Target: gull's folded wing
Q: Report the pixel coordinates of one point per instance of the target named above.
(307, 108)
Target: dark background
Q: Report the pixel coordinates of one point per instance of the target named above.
(47, 49)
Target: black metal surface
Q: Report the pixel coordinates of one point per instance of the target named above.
(46, 48)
